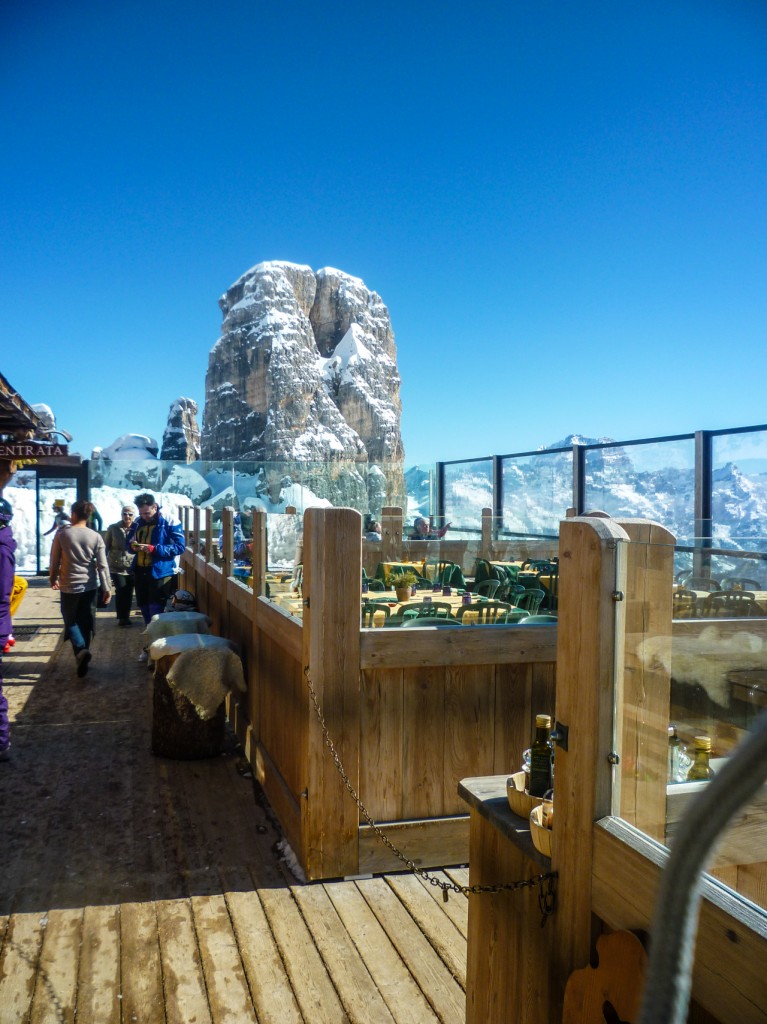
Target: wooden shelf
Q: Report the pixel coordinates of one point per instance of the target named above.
(487, 796)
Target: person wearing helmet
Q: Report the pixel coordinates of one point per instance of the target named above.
(60, 518)
(7, 569)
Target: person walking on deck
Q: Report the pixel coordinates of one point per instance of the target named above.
(157, 543)
(120, 561)
(78, 564)
(7, 567)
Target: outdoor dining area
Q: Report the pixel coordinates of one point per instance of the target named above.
(703, 597)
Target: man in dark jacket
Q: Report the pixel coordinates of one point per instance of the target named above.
(157, 543)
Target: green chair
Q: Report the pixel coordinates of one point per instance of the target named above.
(369, 609)
(427, 610)
(435, 623)
(741, 583)
(486, 588)
(487, 612)
(530, 600)
(538, 620)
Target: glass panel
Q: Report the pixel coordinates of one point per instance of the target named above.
(468, 489)
(654, 481)
(739, 486)
(686, 678)
(537, 491)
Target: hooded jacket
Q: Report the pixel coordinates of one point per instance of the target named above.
(168, 543)
(7, 567)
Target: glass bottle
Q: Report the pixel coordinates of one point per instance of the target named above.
(700, 768)
(539, 780)
(679, 760)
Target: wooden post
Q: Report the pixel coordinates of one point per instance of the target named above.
(209, 536)
(643, 702)
(331, 652)
(589, 656)
(196, 534)
(391, 533)
(486, 548)
(227, 552)
(259, 553)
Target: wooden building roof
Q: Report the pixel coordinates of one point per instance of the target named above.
(17, 418)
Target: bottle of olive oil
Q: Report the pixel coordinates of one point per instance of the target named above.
(700, 768)
(540, 757)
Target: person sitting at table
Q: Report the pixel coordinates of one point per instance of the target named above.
(373, 531)
(423, 531)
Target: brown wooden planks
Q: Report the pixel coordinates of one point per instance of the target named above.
(141, 971)
(434, 922)
(98, 981)
(227, 988)
(356, 988)
(442, 991)
(18, 966)
(313, 989)
(391, 976)
(267, 978)
(183, 981)
(56, 989)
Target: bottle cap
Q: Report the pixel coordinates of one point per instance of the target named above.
(543, 721)
(703, 743)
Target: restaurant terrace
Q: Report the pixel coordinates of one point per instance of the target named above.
(354, 850)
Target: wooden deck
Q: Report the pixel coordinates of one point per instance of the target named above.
(135, 888)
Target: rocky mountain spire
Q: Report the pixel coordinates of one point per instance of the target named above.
(181, 440)
(305, 371)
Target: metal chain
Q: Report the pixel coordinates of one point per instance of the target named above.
(547, 896)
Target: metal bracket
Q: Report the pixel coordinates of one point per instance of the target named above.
(559, 735)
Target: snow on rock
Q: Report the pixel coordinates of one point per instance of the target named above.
(305, 371)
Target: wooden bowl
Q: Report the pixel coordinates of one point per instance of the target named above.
(542, 836)
(520, 802)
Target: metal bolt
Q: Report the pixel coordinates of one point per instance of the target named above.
(613, 758)
(617, 595)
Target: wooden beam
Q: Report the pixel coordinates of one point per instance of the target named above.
(331, 638)
(491, 645)
(589, 657)
(434, 842)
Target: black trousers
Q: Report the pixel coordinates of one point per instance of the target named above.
(152, 594)
(123, 588)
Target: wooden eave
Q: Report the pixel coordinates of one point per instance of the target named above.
(17, 418)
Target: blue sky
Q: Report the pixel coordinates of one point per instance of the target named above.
(562, 205)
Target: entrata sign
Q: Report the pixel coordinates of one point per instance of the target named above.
(32, 450)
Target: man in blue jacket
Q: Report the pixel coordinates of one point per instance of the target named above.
(157, 543)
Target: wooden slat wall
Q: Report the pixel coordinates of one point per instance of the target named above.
(410, 719)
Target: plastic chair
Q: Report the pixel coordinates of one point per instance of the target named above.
(487, 588)
(530, 600)
(427, 610)
(433, 622)
(683, 604)
(369, 609)
(375, 585)
(702, 583)
(731, 603)
(487, 612)
(740, 583)
(538, 620)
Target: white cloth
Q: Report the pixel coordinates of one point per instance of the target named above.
(177, 623)
(206, 669)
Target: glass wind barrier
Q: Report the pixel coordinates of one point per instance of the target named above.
(653, 480)
(691, 689)
(467, 490)
(456, 582)
(739, 490)
(537, 490)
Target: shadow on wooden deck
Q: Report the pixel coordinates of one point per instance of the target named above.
(136, 888)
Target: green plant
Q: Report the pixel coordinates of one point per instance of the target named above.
(400, 579)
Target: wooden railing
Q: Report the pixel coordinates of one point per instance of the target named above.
(410, 712)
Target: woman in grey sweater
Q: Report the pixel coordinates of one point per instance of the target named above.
(78, 563)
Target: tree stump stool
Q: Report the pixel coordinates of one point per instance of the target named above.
(178, 731)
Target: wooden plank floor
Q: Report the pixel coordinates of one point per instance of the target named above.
(140, 889)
